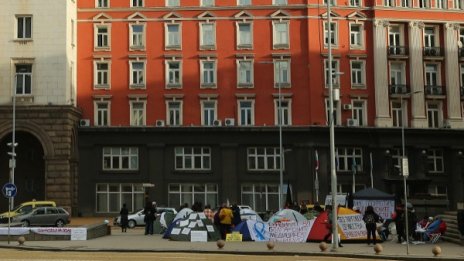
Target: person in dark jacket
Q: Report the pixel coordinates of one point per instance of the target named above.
(124, 218)
(236, 213)
(150, 217)
(399, 223)
(371, 218)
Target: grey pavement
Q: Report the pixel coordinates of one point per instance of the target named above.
(135, 241)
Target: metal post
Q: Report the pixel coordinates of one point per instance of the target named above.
(333, 173)
(403, 122)
(13, 144)
(280, 118)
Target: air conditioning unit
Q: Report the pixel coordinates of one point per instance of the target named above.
(229, 121)
(217, 123)
(351, 122)
(347, 106)
(84, 122)
(159, 123)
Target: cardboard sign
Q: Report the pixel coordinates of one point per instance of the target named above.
(198, 236)
(79, 233)
(234, 236)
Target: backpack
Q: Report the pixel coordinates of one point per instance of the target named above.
(369, 219)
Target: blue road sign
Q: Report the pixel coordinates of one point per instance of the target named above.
(9, 190)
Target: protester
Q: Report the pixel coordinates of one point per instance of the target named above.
(371, 218)
(398, 217)
(236, 215)
(150, 217)
(124, 218)
(303, 208)
(225, 220)
(328, 209)
(208, 212)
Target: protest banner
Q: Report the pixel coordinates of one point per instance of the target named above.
(290, 231)
(259, 231)
(341, 200)
(55, 231)
(352, 226)
(383, 208)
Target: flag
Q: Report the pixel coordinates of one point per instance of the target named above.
(317, 161)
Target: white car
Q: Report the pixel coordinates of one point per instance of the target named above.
(137, 218)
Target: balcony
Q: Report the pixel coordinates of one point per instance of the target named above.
(396, 50)
(398, 89)
(461, 89)
(434, 90)
(432, 52)
(461, 52)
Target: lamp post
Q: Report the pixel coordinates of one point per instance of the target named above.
(13, 144)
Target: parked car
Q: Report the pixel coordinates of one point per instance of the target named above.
(44, 216)
(25, 208)
(137, 218)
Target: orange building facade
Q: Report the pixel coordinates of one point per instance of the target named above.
(185, 95)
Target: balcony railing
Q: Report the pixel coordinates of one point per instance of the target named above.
(462, 91)
(434, 90)
(461, 52)
(398, 88)
(432, 51)
(397, 50)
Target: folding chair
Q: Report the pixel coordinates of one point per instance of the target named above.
(434, 237)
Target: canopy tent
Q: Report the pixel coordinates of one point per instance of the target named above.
(286, 215)
(350, 226)
(180, 229)
(383, 203)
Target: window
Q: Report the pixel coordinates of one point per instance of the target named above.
(429, 36)
(431, 75)
(438, 190)
(335, 75)
(434, 115)
(404, 3)
(102, 114)
(457, 4)
(356, 36)
(284, 111)
(102, 3)
(207, 3)
(193, 158)
(397, 79)
(173, 74)
(347, 157)
(279, 2)
(461, 35)
(174, 113)
(244, 35)
(394, 36)
(208, 73)
(173, 3)
(261, 197)
(397, 114)
(102, 75)
(208, 115)
(136, 3)
(207, 35)
(179, 194)
(24, 27)
(333, 33)
(23, 79)
(423, 4)
(462, 76)
(441, 4)
(263, 158)
(173, 36)
(332, 2)
(110, 197)
(120, 158)
(356, 3)
(435, 161)
(137, 115)
(281, 73)
(389, 3)
(359, 112)
(245, 73)
(102, 37)
(246, 113)
(137, 79)
(336, 114)
(243, 2)
(137, 38)
(357, 74)
(280, 33)
(345, 188)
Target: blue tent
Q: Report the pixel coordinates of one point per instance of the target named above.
(243, 229)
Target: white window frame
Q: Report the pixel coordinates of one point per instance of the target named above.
(208, 114)
(172, 3)
(458, 4)
(397, 68)
(428, 74)
(431, 40)
(207, 3)
(170, 45)
(244, 2)
(441, 4)
(334, 33)
(120, 156)
(332, 2)
(242, 71)
(345, 157)
(244, 45)
(359, 79)
(282, 74)
(208, 76)
(335, 72)
(137, 39)
(102, 116)
(180, 193)
(389, 3)
(435, 157)
(104, 37)
(434, 111)
(337, 111)
(359, 112)
(423, 3)
(281, 39)
(398, 112)
(137, 84)
(172, 72)
(279, 2)
(263, 159)
(102, 3)
(138, 116)
(137, 3)
(356, 3)
(255, 195)
(189, 155)
(100, 74)
(249, 120)
(26, 26)
(287, 111)
(359, 36)
(24, 78)
(110, 200)
(204, 45)
(174, 116)
(397, 33)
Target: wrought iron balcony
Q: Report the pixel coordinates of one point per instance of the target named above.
(398, 89)
(434, 90)
(461, 52)
(397, 50)
(432, 51)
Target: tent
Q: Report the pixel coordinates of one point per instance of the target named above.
(181, 229)
(260, 226)
(183, 213)
(383, 203)
(350, 226)
(249, 214)
(163, 222)
(287, 215)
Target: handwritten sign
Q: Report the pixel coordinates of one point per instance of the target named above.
(234, 236)
(52, 230)
(352, 226)
(383, 208)
(341, 200)
(198, 236)
(79, 233)
(259, 231)
(290, 231)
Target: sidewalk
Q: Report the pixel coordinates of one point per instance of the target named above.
(135, 241)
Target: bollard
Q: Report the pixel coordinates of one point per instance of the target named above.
(436, 250)
(270, 245)
(323, 246)
(378, 248)
(21, 240)
(220, 243)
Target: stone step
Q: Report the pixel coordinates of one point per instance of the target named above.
(452, 239)
(452, 213)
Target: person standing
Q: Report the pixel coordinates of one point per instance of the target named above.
(225, 220)
(124, 218)
(371, 218)
(328, 225)
(149, 212)
(236, 215)
(399, 223)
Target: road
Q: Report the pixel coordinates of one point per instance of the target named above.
(20, 255)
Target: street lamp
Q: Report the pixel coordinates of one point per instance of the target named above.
(13, 144)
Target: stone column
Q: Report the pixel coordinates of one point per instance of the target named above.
(382, 107)
(416, 62)
(452, 76)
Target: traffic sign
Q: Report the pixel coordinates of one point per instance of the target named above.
(9, 190)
